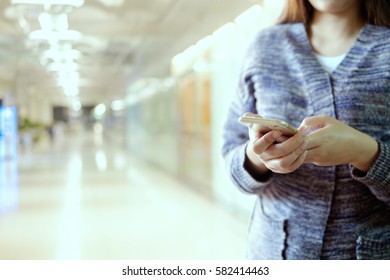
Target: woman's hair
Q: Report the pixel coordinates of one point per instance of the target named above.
(376, 12)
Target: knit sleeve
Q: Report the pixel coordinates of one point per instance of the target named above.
(235, 139)
(378, 177)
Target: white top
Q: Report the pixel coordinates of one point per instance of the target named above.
(330, 63)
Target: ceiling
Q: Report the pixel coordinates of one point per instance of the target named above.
(121, 41)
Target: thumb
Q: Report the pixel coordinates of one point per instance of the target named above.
(311, 124)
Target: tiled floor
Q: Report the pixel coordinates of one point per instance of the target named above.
(83, 199)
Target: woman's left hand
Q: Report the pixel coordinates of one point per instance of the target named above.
(333, 142)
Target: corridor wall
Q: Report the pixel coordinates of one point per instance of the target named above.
(176, 123)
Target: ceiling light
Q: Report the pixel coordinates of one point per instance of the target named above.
(99, 111)
(76, 105)
(58, 22)
(63, 67)
(69, 79)
(74, 3)
(47, 35)
(71, 91)
(117, 105)
(58, 55)
(112, 3)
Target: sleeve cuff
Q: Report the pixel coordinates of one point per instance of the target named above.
(378, 177)
(246, 181)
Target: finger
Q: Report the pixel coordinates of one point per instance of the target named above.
(285, 148)
(251, 115)
(254, 134)
(313, 128)
(263, 143)
(315, 139)
(314, 155)
(282, 139)
(288, 163)
(252, 131)
(255, 126)
(313, 123)
(304, 130)
(290, 158)
(299, 161)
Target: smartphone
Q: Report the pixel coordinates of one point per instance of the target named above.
(266, 125)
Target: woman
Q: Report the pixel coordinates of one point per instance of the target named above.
(325, 192)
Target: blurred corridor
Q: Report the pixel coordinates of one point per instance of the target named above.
(81, 198)
(111, 116)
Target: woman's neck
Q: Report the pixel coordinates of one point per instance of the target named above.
(333, 34)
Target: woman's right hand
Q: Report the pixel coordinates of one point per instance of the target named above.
(272, 151)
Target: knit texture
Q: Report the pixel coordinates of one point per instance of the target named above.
(315, 212)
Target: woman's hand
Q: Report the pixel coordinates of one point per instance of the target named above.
(334, 142)
(272, 151)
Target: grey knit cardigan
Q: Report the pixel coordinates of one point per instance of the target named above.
(315, 212)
